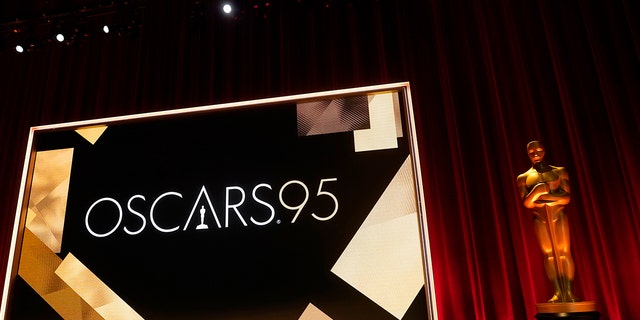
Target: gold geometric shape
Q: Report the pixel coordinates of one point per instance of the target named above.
(37, 267)
(92, 290)
(71, 289)
(383, 260)
(70, 305)
(313, 313)
(385, 125)
(92, 133)
(48, 197)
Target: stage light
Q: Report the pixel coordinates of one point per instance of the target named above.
(26, 46)
(70, 28)
(226, 8)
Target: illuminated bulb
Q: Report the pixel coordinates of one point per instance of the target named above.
(105, 28)
(226, 8)
(60, 37)
(19, 49)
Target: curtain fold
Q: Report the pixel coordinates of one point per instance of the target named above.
(486, 78)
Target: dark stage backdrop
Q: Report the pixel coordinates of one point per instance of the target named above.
(486, 78)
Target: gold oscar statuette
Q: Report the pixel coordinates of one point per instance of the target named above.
(546, 191)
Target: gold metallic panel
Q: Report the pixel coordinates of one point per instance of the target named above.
(71, 289)
(383, 260)
(48, 198)
(92, 290)
(37, 267)
(92, 133)
(385, 125)
(313, 313)
(66, 285)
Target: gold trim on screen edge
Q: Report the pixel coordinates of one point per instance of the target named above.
(18, 225)
(426, 250)
(248, 103)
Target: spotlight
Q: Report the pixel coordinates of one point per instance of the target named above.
(26, 46)
(105, 29)
(60, 37)
(226, 8)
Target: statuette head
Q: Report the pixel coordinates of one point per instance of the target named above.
(535, 150)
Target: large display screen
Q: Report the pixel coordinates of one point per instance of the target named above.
(299, 207)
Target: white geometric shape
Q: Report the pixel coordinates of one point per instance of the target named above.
(383, 260)
(383, 125)
(384, 263)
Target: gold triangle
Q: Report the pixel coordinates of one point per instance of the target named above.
(92, 133)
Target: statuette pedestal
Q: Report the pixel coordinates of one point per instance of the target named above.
(583, 310)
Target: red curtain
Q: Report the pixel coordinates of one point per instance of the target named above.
(562, 72)
(486, 78)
